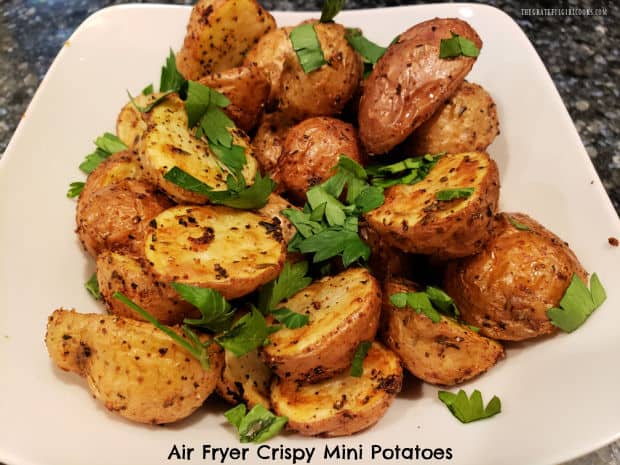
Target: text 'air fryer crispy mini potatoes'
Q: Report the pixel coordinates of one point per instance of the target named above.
(132, 367)
(343, 311)
(445, 352)
(413, 220)
(231, 251)
(410, 81)
(344, 404)
(508, 287)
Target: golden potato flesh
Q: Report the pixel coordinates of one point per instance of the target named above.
(343, 311)
(231, 251)
(467, 122)
(445, 352)
(131, 123)
(414, 220)
(344, 404)
(115, 168)
(245, 379)
(219, 35)
(508, 287)
(134, 277)
(311, 151)
(133, 368)
(410, 82)
(115, 216)
(273, 210)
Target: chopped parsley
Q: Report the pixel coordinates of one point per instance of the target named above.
(517, 224)
(369, 51)
(257, 425)
(452, 194)
(457, 46)
(248, 333)
(106, 145)
(92, 286)
(330, 9)
(472, 408)
(216, 313)
(408, 171)
(357, 367)
(307, 47)
(430, 302)
(171, 79)
(75, 189)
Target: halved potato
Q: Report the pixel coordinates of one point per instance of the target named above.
(134, 277)
(385, 261)
(444, 353)
(343, 311)
(135, 369)
(219, 34)
(115, 168)
(130, 123)
(341, 405)
(231, 251)
(168, 142)
(273, 210)
(413, 220)
(269, 141)
(245, 379)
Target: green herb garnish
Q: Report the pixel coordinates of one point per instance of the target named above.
(148, 90)
(330, 9)
(151, 105)
(457, 46)
(470, 409)
(92, 286)
(248, 333)
(517, 224)
(291, 280)
(216, 312)
(256, 426)
(107, 144)
(171, 79)
(577, 304)
(408, 171)
(357, 367)
(289, 318)
(452, 194)
(307, 47)
(75, 189)
(369, 51)
(430, 302)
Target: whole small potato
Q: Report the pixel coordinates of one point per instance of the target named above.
(507, 288)
(311, 151)
(269, 140)
(115, 216)
(409, 83)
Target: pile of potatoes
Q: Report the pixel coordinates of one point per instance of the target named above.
(145, 232)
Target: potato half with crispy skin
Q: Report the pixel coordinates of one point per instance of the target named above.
(134, 277)
(410, 82)
(273, 210)
(231, 251)
(115, 168)
(444, 353)
(508, 287)
(131, 123)
(219, 35)
(385, 261)
(467, 122)
(344, 404)
(132, 367)
(414, 220)
(343, 311)
(268, 141)
(311, 151)
(114, 217)
(245, 379)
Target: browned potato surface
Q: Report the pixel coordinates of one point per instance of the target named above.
(219, 34)
(413, 220)
(343, 310)
(410, 82)
(385, 261)
(132, 367)
(273, 210)
(119, 166)
(134, 277)
(344, 404)
(467, 122)
(268, 141)
(245, 379)
(507, 288)
(246, 88)
(444, 353)
(115, 216)
(311, 151)
(231, 251)
(130, 123)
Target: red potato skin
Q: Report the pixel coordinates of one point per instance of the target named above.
(410, 82)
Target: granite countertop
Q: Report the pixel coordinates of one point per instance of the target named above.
(580, 51)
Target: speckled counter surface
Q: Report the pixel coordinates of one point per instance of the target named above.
(581, 53)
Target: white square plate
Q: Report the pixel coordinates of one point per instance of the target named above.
(559, 395)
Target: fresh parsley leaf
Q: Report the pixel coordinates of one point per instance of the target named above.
(442, 301)
(418, 301)
(75, 189)
(106, 145)
(148, 90)
(232, 157)
(289, 318)
(151, 105)
(518, 225)
(258, 425)
(470, 409)
(216, 312)
(307, 224)
(92, 286)
(451, 194)
(408, 171)
(369, 51)
(307, 47)
(457, 46)
(577, 304)
(291, 280)
(475, 329)
(330, 9)
(247, 334)
(171, 79)
(357, 367)
(369, 198)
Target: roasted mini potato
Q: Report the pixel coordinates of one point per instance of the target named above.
(311, 151)
(219, 34)
(410, 82)
(246, 88)
(131, 123)
(273, 210)
(467, 122)
(115, 168)
(444, 353)
(508, 287)
(413, 220)
(114, 217)
(231, 251)
(134, 277)
(343, 311)
(168, 142)
(385, 261)
(132, 367)
(344, 404)
(245, 379)
(268, 141)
